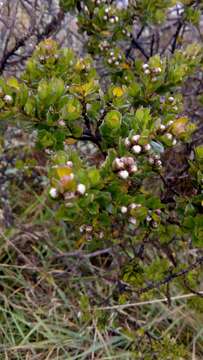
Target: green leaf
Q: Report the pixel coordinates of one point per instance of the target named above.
(94, 177)
(113, 120)
(72, 110)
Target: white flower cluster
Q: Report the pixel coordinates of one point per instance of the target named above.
(104, 45)
(114, 59)
(170, 101)
(88, 231)
(109, 17)
(155, 160)
(127, 210)
(164, 129)
(132, 144)
(124, 166)
(80, 189)
(153, 72)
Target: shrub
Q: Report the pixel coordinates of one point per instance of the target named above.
(123, 199)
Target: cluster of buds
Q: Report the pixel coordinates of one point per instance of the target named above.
(124, 166)
(149, 219)
(164, 130)
(114, 59)
(128, 211)
(125, 32)
(64, 182)
(104, 45)
(169, 101)
(155, 160)
(153, 72)
(133, 145)
(88, 231)
(109, 16)
(44, 58)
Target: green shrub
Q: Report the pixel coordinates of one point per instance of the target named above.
(122, 199)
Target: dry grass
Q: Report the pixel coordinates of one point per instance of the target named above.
(58, 307)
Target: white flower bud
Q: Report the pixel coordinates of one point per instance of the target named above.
(169, 136)
(69, 164)
(107, 10)
(118, 164)
(111, 53)
(82, 228)
(112, 20)
(157, 70)
(147, 147)
(117, 63)
(133, 206)
(170, 123)
(135, 139)
(81, 189)
(89, 228)
(159, 163)
(61, 123)
(128, 161)
(154, 224)
(124, 209)
(109, 61)
(162, 127)
(132, 220)
(133, 169)
(116, 18)
(53, 193)
(171, 99)
(147, 72)
(105, 17)
(154, 79)
(145, 66)
(151, 161)
(8, 99)
(174, 142)
(123, 174)
(148, 218)
(127, 143)
(136, 149)
(101, 234)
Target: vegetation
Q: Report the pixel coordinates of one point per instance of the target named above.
(101, 242)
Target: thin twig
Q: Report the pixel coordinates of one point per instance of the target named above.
(149, 302)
